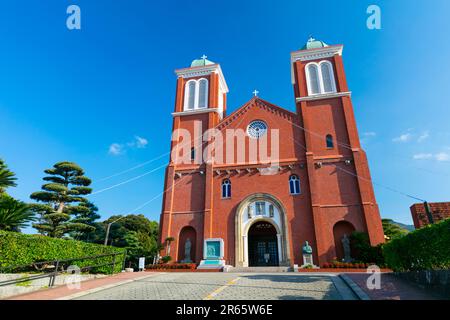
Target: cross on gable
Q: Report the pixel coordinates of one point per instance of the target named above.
(255, 93)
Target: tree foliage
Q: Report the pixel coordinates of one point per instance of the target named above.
(61, 205)
(14, 214)
(362, 251)
(392, 230)
(136, 233)
(7, 177)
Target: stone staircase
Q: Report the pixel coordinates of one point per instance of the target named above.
(257, 269)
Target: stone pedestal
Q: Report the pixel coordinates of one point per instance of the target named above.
(213, 252)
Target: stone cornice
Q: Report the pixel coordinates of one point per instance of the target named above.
(203, 71)
(198, 111)
(314, 54)
(324, 96)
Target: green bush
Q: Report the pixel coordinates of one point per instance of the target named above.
(363, 252)
(424, 249)
(17, 249)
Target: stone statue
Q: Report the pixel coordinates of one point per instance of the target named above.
(211, 252)
(346, 245)
(307, 248)
(187, 250)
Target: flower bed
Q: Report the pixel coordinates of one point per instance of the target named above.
(173, 267)
(347, 265)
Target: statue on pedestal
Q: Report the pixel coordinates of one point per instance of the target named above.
(307, 255)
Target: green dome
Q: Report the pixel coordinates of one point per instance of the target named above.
(201, 62)
(314, 44)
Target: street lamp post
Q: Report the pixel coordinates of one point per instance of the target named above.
(108, 228)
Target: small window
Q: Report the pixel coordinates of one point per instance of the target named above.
(226, 188)
(330, 143)
(294, 184)
(192, 154)
(260, 208)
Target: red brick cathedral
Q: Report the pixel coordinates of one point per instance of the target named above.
(248, 211)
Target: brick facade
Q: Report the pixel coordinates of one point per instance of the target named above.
(439, 210)
(336, 195)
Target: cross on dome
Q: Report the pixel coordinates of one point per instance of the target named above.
(204, 57)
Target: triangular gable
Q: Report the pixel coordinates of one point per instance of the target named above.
(255, 102)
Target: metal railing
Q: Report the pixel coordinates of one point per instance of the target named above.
(51, 269)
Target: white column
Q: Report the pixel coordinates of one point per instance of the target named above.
(245, 262)
(280, 255)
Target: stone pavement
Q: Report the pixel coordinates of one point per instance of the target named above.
(228, 286)
(393, 288)
(231, 286)
(85, 286)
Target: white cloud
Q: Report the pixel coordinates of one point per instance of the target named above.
(422, 156)
(442, 156)
(141, 142)
(425, 135)
(115, 149)
(118, 149)
(403, 138)
(369, 134)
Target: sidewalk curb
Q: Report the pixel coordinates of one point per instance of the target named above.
(354, 287)
(108, 286)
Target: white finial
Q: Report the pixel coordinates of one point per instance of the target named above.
(255, 93)
(204, 57)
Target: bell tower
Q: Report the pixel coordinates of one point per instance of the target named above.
(200, 104)
(339, 177)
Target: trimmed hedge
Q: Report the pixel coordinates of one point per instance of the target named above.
(17, 249)
(424, 249)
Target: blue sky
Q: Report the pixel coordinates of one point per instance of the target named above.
(70, 95)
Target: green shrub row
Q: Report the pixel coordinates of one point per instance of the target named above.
(17, 249)
(427, 248)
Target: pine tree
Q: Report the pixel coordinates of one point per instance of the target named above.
(85, 213)
(62, 198)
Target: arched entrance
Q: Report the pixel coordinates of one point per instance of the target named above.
(339, 230)
(262, 245)
(187, 245)
(252, 212)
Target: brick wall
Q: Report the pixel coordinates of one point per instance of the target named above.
(440, 211)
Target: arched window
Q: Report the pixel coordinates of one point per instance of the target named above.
(320, 78)
(326, 71)
(189, 95)
(312, 76)
(294, 184)
(192, 154)
(226, 188)
(329, 139)
(203, 93)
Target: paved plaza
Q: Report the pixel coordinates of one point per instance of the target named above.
(228, 286)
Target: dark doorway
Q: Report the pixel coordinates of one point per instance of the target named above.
(262, 245)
